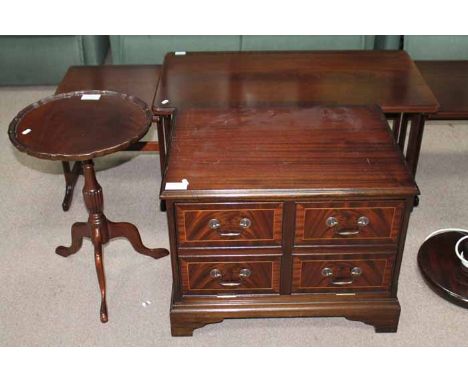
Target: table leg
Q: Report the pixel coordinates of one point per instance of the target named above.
(396, 126)
(167, 131)
(413, 147)
(414, 142)
(162, 152)
(401, 140)
(97, 243)
(97, 222)
(162, 143)
(101, 230)
(71, 176)
(130, 232)
(78, 232)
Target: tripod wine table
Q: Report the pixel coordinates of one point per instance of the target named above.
(80, 126)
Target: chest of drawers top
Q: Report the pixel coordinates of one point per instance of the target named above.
(285, 152)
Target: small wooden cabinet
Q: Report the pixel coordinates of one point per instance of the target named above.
(288, 213)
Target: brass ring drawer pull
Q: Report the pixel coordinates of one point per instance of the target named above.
(216, 225)
(361, 222)
(217, 274)
(355, 272)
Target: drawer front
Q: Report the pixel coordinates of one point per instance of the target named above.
(376, 222)
(230, 275)
(346, 273)
(229, 224)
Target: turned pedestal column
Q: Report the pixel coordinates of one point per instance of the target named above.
(100, 230)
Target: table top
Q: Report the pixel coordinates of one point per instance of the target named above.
(285, 151)
(138, 80)
(80, 125)
(261, 79)
(449, 82)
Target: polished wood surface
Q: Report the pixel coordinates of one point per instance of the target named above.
(448, 81)
(194, 312)
(69, 127)
(264, 224)
(318, 150)
(65, 127)
(226, 275)
(138, 80)
(257, 162)
(342, 273)
(384, 219)
(442, 269)
(251, 79)
(389, 79)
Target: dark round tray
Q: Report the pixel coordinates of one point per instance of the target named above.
(442, 269)
(67, 127)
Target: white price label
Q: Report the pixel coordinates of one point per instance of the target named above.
(182, 185)
(90, 97)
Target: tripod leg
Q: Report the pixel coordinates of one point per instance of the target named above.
(97, 242)
(78, 231)
(130, 232)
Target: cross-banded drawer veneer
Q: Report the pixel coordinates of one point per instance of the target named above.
(221, 275)
(342, 273)
(348, 222)
(229, 224)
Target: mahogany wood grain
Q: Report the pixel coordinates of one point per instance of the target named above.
(172, 230)
(271, 79)
(289, 226)
(384, 222)
(252, 79)
(191, 313)
(65, 127)
(448, 81)
(348, 273)
(262, 274)
(194, 230)
(138, 80)
(232, 251)
(313, 151)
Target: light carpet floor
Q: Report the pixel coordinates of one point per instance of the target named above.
(47, 300)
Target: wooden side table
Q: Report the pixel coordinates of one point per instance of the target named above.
(138, 80)
(80, 126)
(448, 81)
(389, 79)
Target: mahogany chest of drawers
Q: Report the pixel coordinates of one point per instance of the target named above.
(288, 212)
